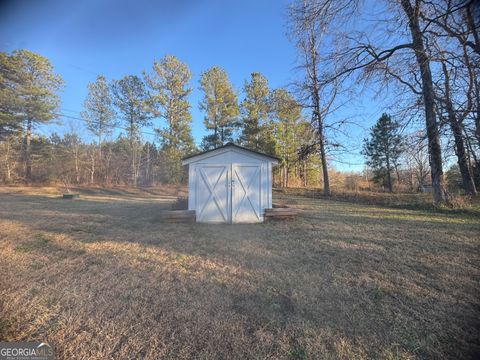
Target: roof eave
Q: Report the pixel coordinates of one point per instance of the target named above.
(189, 159)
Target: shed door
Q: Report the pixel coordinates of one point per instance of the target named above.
(246, 192)
(212, 193)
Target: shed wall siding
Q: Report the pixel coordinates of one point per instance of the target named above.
(231, 158)
(191, 187)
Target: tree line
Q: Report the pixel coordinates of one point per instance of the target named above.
(266, 120)
(424, 54)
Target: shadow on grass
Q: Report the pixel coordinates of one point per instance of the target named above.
(256, 290)
(276, 300)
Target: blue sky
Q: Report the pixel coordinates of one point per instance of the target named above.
(115, 38)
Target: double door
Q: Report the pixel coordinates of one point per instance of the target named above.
(230, 193)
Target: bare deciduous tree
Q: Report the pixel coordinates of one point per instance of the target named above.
(309, 21)
(404, 34)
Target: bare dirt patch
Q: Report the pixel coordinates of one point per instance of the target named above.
(99, 278)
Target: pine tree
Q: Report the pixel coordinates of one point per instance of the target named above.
(10, 121)
(170, 87)
(220, 102)
(131, 97)
(289, 130)
(150, 155)
(255, 110)
(99, 115)
(383, 149)
(29, 94)
(11, 112)
(99, 112)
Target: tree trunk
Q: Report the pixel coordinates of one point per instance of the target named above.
(7, 162)
(92, 167)
(467, 177)
(477, 106)
(147, 166)
(286, 175)
(28, 151)
(321, 141)
(456, 126)
(134, 166)
(317, 114)
(389, 181)
(397, 172)
(423, 61)
(9, 172)
(77, 169)
(305, 180)
(389, 175)
(471, 152)
(106, 166)
(100, 166)
(326, 181)
(410, 176)
(472, 27)
(134, 152)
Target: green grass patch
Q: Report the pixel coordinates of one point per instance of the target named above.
(23, 248)
(36, 265)
(377, 294)
(83, 228)
(41, 240)
(297, 352)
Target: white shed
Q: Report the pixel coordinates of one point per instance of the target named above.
(230, 184)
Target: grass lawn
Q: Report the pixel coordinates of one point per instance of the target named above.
(102, 278)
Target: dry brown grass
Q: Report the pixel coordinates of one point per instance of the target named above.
(415, 201)
(101, 278)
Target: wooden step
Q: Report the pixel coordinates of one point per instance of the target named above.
(71, 196)
(281, 213)
(177, 215)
